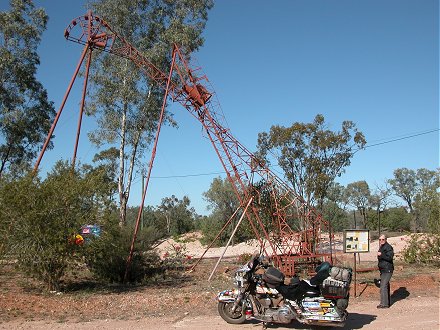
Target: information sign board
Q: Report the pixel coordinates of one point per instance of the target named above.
(356, 240)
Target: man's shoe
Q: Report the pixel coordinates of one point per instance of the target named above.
(382, 306)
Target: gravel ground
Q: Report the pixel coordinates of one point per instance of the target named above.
(188, 301)
(419, 313)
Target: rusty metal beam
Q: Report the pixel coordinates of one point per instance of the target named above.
(296, 226)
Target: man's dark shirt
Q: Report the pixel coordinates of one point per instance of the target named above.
(385, 260)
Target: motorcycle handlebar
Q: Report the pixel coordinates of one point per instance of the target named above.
(258, 260)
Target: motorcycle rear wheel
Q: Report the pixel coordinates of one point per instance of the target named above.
(236, 317)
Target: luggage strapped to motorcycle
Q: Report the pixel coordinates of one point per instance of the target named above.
(273, 277)
(341, 274)
(337, 285)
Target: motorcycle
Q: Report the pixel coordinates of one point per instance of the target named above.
(260, 294)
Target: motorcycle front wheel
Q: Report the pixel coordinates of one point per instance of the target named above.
(225, 311)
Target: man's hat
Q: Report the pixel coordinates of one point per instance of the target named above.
(377, 282)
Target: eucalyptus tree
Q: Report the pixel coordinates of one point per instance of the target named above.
(126, 102)
(106, 166)
(427, 201)
(334, 207)
(221, 197)
(404, 185)
(25, 111)
(222, 202)
(310, 154)
(178, 214)
(379, 200)
(419, 189)
(358, 195)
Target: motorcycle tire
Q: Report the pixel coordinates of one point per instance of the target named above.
(224, 309)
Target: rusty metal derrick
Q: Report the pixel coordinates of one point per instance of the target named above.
(295, 235)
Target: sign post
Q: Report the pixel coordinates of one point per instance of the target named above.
(356, 241)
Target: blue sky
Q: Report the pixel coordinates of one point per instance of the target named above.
(375, 63)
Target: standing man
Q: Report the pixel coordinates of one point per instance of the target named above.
(386, 267)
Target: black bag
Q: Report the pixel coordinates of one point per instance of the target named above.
(322, 272)
(273, 277)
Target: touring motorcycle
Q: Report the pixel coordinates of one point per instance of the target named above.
(260, 294)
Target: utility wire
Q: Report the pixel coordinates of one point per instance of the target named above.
(187, 175)
(398, 139)
(367, 146)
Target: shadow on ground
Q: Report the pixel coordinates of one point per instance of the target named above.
(399, 294)
(173, 280)
(354, 321)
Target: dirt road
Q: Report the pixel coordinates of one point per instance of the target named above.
(187, 301)
(421, 313)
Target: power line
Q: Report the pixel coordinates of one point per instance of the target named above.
(398, 139)
(367, 146)
(187, 175)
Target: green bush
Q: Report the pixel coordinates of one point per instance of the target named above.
(42, 216)
(423, 249)
(212, 225)
(106, 256)
(176, 258)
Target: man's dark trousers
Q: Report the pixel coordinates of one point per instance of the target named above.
(385, 278)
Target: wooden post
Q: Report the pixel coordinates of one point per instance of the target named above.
(354, 274)
(218, 235)
(230, 239)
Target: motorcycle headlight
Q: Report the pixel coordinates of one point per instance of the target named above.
(240, 278)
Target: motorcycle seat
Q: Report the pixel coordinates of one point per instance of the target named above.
(310, 290)
(312, 293)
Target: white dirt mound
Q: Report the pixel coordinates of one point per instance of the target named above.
(189, 245)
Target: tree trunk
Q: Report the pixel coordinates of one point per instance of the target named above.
(5, 159)
(414, 221)
(167, 217)
(413, 216)
(363, 211)
(121, 186)
(124, 190)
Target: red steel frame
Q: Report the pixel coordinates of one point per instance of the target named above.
(295, 236)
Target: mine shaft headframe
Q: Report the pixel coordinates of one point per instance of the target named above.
(90, 30)
(188, 89)
(96, 33)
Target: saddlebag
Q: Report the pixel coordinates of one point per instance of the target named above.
(334, 289)
(341, 274)
(273, 277)
(337, 285)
